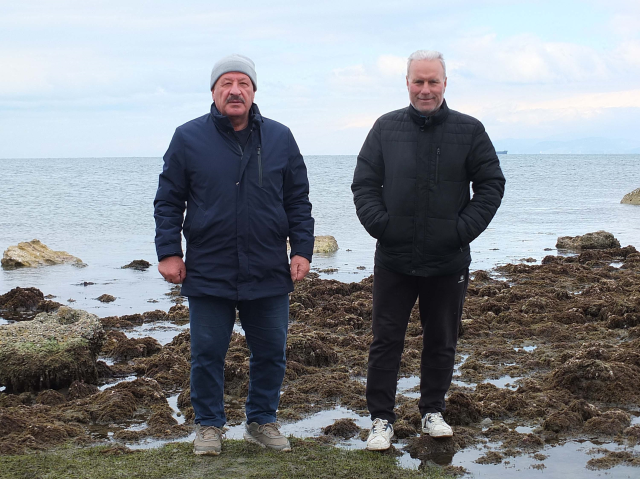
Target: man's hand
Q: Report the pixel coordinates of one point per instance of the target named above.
(172, 269)
(299, 268)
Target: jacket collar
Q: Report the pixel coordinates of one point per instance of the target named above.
(426, 121)
(223, 123)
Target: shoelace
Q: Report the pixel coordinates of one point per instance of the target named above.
(271, 429)
(211, 432)
(436, 419)
(379, 425)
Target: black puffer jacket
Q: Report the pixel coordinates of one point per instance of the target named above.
(411, 189)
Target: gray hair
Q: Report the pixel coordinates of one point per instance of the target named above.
(427, 55)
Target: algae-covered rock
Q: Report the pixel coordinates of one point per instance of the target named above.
(51, 351)
(632, 198)
(325, 244)
(598, 240)
(34, 253)
(322, 244)
(138, 264)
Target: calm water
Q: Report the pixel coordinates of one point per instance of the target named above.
(100, 209)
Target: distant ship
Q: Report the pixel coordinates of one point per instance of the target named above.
(503, 152)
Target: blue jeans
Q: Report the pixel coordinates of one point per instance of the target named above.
(265, 323)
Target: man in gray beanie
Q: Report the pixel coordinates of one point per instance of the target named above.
(245, 187)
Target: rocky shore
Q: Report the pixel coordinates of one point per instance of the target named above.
(550, 348)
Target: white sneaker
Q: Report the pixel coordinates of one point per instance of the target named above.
(434, 425)
(380, 435)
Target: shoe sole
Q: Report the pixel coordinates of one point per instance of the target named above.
(373, 448)
(253, 440)
(437, 435)
(206, 453)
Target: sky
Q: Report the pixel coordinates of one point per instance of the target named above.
(115, 78)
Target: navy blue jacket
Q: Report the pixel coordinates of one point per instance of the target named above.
(242, 204)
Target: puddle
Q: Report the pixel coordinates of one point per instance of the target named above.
(5, 321)
(120, 380)
(162, 331)
(407, 386)
(173, 403)
(616, 264)
(504, 382)
(524, 429)
(563, 461)
(526, 348)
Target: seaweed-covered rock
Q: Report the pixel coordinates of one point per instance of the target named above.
(138, 264)
(34, 253)
(598, 240)
(599, 380)
(178, 313)
(21, 299)
(344, 428)
(51, 351)
(121, 348)
(106, 298)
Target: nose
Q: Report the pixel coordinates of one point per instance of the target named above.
(235, 89)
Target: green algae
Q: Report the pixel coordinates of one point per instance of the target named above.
(308, 459)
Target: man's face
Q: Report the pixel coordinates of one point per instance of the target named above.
(426, 84)
(233, 94)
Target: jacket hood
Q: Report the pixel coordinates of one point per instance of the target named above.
(222, 122)
(435, 119)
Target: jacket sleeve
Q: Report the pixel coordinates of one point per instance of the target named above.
(368, 179)
(296, 203)
(487, 182)
(171, 197)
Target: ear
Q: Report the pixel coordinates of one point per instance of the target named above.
(445, 85)
(407, 77)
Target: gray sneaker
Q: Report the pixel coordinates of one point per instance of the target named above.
(266, 435)
(208, 440)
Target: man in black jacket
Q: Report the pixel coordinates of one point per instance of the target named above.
(245, 187)
(411, 191)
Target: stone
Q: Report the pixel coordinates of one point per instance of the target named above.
(322, 244)
(34, 253)
(138, 264)
(325, 244)
(106, 298)
(632, 198)
(51, 351)
(598, 240)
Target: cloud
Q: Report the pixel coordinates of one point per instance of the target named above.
(526, 59)
(391, 65)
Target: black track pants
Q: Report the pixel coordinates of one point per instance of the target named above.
(394, 295)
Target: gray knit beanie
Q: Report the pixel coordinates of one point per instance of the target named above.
(234, 63)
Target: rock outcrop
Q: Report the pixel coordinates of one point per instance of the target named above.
(632, 198)
(138, 264)
(51, 351)
(322, 244)
(325, 244)
(34, 253)
(598, 240)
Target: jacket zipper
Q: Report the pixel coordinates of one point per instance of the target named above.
(437, 163)
(259, 167)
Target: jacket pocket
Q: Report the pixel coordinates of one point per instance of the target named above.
(283, 223)
(195, 226)
(398, 233)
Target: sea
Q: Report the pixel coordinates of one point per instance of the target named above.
(101, 210)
